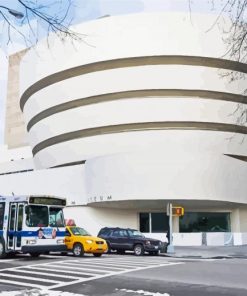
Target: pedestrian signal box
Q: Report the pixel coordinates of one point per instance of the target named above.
(177, 211)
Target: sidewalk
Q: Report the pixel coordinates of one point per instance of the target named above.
(207, 252)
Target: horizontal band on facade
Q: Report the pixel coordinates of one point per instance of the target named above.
(239, 157)
(80, 162)
(131, 62)
(134, 127)
(134, 94)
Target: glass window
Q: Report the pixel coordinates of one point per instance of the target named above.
(2, 206)
(123, 233)
(78, 231)
(20, 218)
(135, 233)
(205, 222)
(160, 222)
(115, 233)
(12, 218)
(56, 217)
(144, 222)
(37, 216)
(105, 231)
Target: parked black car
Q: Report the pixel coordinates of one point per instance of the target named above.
(123, 239)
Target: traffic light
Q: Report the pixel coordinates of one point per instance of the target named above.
(177, 211)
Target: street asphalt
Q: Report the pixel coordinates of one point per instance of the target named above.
(191, 271)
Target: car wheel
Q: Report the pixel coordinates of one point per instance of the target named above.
(78, 250)
(2, 249)
(97, 254)
(138, 250)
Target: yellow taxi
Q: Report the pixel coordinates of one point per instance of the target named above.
(79, 241)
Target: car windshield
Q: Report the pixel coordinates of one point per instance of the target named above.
(135, 233)
(78, 231)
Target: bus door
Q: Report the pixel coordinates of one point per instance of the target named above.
(15, 226)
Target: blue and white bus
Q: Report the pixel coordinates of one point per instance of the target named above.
(31, 224)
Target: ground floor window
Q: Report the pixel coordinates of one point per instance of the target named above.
(205, 222)
(154, 222)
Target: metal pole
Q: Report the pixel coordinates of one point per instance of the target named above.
(170, 248)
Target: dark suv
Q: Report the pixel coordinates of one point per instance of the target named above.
(123, 239)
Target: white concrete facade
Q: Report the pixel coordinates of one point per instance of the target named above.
(143, 103)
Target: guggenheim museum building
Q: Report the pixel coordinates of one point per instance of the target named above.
(138, 114)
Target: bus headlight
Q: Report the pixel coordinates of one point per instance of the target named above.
(31, 242)
(60, 241)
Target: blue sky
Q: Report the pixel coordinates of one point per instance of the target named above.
(84, 10)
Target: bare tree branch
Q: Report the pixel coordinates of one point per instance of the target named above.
(59, 22)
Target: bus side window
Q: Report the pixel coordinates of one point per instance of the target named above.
(20, 218)
(19, 224)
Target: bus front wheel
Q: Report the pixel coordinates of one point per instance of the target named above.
(2, 249)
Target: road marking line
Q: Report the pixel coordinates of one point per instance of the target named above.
(111, 263)
(38, 264)
(29, 278)
(44, 273)
(127, 262)
(63, 271)
(108, 275)
(114, 268)
(21, 284)
(121, 261)
(102, 265)
(71, 266)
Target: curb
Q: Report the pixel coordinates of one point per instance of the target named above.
(202, 257)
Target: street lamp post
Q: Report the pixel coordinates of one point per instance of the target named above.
(170, 247)
(15, 13)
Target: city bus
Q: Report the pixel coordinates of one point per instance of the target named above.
(31, 224)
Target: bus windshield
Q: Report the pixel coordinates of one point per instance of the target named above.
(42, 216)
(56, 217)
(37, 216)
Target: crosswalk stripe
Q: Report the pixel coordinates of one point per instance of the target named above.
(44, 273)
(61, 271)
(110, 263)
(77, 270)
(72, 266)
(88, 270)
(131, 260)
(21, 284)
(38, 264)
(102, 265)
(29, 278)
(107, 275)
(130, 263)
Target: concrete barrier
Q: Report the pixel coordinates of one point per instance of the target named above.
(203, 238)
